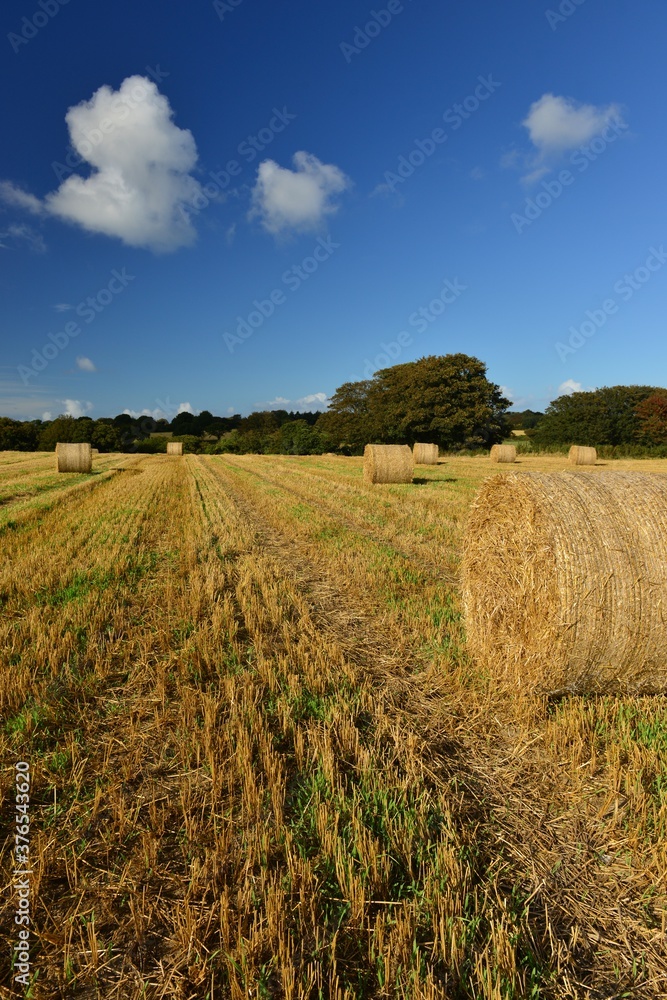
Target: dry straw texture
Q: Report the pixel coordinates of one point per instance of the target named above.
(95, 451)
(425, 454)
(579, 455)
(74, 457)
(388, 463)
(174, 447)
(503, 453)
(565, 581)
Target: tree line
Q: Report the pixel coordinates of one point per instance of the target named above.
(447, 400)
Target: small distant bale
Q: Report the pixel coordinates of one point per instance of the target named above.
(174, 447)
(425, 454)
(503, 453)
(564, 582)
(74, 457)
(579, 455)
(388, 463)
(95, 451)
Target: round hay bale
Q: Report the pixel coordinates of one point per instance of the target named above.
(94, 451)
(503, 453)
(579, 455)
(565, 581)
(425, 454)
(74, 457)
(174, 447)
(388, 463)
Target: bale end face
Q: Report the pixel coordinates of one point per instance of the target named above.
(579, 455)
(388, 463)
(564, 580)
(425, 454)
(503, 453)
(74, 457)
(174, 447)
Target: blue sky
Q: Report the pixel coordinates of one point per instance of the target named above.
(236, 205)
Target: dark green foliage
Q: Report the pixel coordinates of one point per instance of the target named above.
(446, 400)
(606, 416)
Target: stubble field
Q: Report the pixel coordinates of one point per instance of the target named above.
(263, 764)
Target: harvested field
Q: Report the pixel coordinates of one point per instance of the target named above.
(265, 765)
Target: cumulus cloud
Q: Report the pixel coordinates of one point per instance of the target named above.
(558, 124)
(164, 411)
(75, 407)
(314, 400)
(298, 199)
(569, 386)
(47, 415)
(140, 184)
(85, 365)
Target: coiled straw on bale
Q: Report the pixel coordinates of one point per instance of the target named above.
(503, 453)
(579, 455)
(425, 454)
(388, 463)
(565, 581)
(74, 457)
(174, 447)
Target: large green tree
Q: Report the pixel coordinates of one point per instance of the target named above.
(447, 400)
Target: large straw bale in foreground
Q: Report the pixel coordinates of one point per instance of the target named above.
(388, 463)
(174, 447)
(425, 454)
(503, 453)
(565, 581)
(579, 455)
(74, 457)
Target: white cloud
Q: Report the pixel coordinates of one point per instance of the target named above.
(557, 124)
(230, 234)
(477, 174)
(47, 415)
(62, 307)
(299, 199)
(75, 407)
(164, 412)
(507, 392)
(569, 386)
(85, 364)
(140, 184)
(18, 233)
(15, 196)
(315, 400)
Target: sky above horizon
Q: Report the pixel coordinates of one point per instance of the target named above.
(237, 205)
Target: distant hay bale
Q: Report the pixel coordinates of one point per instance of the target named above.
(582, 456)
(174, 447)
(388, 463)
(564, 581)
(74, 457)
(503, 453)
(95, 451)
(425, 454)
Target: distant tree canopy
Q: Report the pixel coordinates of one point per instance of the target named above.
(524, 419)
(447, 400)
(615, 415)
